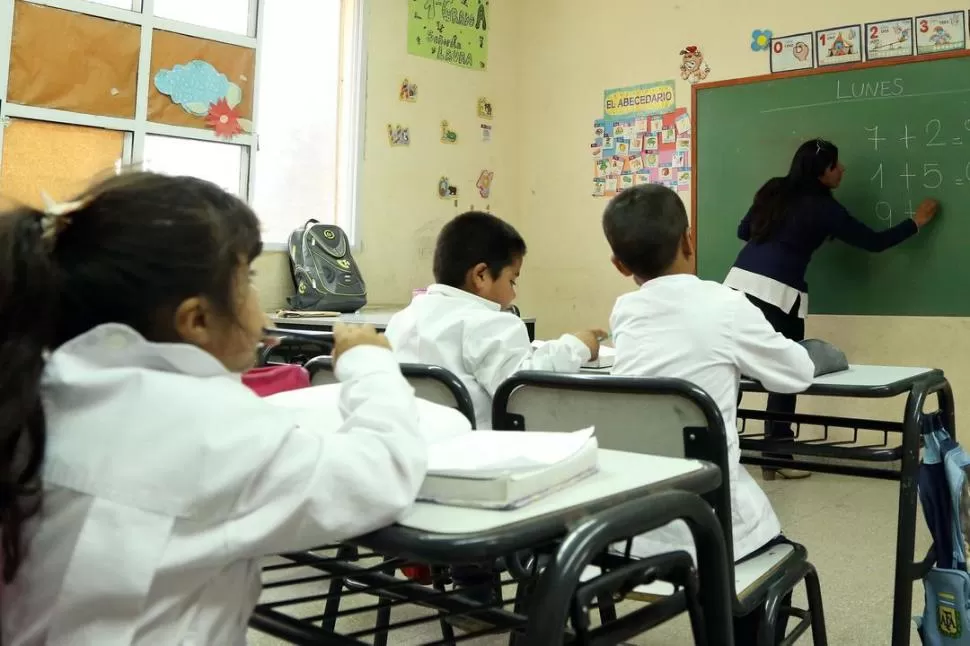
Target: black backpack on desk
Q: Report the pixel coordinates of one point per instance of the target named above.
(325, 275)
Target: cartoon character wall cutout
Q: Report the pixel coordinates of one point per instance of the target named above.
(484, 184)
(408, 92)
(448, 136)
(484, 108)
(693, 67)
(446, 190)
(398, 135)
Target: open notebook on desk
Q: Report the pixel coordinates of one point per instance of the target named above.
(604, 360)
(506, 469)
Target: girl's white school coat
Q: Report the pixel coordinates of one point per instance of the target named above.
(480, 344)
(166, 480)
(708, 334)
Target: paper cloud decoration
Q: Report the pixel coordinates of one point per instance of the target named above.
(196, 86)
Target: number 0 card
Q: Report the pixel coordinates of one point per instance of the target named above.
(792, 53)
(839, 45)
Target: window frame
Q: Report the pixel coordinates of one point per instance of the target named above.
(141, 15)
(351, 116)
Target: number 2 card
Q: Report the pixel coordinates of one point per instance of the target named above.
(889, 39)
(839, 45)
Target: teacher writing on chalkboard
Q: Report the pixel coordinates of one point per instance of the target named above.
(790, 218)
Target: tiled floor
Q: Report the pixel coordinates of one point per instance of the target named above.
(849, 528)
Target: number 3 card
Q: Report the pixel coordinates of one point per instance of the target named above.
(839, 45)
(941, 32)
(792, 53)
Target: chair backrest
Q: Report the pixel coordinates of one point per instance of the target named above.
(431, 383)
(296, 347)
(655, 416)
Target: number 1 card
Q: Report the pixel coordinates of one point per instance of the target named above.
(941, 32)
(889, 39)
(839, 45)
(792, 53)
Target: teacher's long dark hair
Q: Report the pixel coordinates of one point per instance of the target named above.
(772, 201)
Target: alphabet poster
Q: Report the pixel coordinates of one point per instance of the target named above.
(628, 151)
(451, 31)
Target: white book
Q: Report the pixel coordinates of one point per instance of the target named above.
(606, 357)
(506, 469)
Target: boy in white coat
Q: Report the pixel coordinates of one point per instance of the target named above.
(126, 319)
(678, 326)
(461, 322)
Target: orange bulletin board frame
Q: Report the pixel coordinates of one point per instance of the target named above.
(70, 61)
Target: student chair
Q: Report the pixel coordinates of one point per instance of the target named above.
(431, 383)
(296, 347)
(674, 418)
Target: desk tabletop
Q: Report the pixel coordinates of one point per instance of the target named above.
(863, 381)
(378, 317)
(442, 533)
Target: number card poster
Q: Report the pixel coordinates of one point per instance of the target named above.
(646, 149)
(451, 31)
(941, 32)
(889, 39)
(838, 45)
(792, 53)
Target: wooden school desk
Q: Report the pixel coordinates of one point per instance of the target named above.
(443, 535)
(860, 457)
(379, 317)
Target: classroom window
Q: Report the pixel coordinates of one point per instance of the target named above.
(225, 15)
(80, 84)
(221, 164)
(309, 110)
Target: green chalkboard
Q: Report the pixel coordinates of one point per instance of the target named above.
(903, 132)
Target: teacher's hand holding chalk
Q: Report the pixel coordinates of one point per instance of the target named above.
(925, 212)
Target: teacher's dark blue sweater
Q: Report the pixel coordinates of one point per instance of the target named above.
(811, 220)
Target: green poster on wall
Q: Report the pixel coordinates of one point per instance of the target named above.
(451, 31)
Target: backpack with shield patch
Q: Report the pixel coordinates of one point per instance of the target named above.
(944, 493)
(325, 274)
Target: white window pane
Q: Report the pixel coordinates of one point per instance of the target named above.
(296, 164)
(121, 4)
(218, 163)
(227, 15)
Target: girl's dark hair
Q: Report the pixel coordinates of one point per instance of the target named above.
(136, 246)
(773, 200)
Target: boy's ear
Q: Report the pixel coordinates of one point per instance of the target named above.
(620, 267)
(477, 277)
(686, 246)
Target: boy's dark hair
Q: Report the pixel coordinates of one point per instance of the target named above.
(133, 249)
(472, 238)
(644, 226)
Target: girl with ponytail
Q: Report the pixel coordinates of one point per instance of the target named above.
(140, 480)
(789, 219)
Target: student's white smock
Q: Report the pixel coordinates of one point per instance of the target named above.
(684, 328)
(480, 344)
(166, 480)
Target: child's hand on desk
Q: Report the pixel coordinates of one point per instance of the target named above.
(346, 337)
(925, 212)
(591, 338)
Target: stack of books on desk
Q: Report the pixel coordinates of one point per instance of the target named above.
(506, 469)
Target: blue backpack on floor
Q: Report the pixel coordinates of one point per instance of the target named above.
(944, 493)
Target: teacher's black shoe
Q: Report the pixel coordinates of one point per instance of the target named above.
(784, 474)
